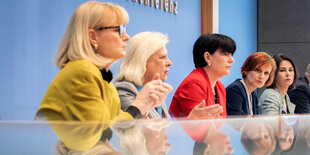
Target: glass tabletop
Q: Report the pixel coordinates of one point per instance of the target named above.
(289, 134)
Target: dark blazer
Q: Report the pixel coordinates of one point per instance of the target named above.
(237, 99)
(301, 95)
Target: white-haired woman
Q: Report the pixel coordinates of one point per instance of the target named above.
(147, 59)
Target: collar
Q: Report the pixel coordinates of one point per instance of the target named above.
(244, 85)
(138, 87)
(107, 76)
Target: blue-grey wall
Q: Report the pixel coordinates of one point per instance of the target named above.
(292, 36)
(238, 19)
(30, 31)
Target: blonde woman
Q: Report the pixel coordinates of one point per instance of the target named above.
(95, 38)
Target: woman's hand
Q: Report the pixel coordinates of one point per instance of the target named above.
(152, 94)
(201, 111)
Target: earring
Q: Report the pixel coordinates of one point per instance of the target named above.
(209, 64)
(96, 46)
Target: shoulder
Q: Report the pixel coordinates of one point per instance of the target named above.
(81, 65)
(126, 86)
(270, 93)
(196, 77)
(302, 83)
(81, 69)
(78, 73)
(236, 85)
(196, 74)
(235, 90)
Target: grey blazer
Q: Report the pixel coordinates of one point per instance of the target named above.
(272, 102)
(128, 91)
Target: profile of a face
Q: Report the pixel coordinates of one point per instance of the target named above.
(217, 143)
(156, 141)
(260, 134)
(286, 137)
(258, 138)
(220, 62)
(158, 63)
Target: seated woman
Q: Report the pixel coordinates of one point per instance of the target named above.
(212, 57)
(241, 95)
(274, 99)
(146, 59)
(82, 90)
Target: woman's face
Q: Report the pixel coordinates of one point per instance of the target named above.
(157, 63)
(110, 43)
(156, 141)
(286, 137)
(258, 77)
(221, 62)
(260, 135)
(285, 75)
(219, 144)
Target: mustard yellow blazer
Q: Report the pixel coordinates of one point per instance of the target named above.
(79, 92)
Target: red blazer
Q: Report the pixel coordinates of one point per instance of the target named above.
(194, 88)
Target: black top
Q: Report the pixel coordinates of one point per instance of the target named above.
(107, 76)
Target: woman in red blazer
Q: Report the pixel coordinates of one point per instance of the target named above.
(212, 58)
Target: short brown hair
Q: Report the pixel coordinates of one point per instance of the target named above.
(257, 60)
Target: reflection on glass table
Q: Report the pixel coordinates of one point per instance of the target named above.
(252, 135)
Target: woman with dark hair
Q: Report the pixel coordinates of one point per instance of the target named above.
(274, 99)
(286, 134)
(212, 58)
(257, 71)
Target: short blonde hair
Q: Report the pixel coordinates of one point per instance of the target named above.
(140, 48)
(75, 43)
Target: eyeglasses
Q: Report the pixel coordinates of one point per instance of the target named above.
(121, 29)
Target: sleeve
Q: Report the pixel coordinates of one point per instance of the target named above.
(300, 98)
(234, 101)
(126, 95)
(190, 95)
(269, 103)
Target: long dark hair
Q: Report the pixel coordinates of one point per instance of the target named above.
(278, 58)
